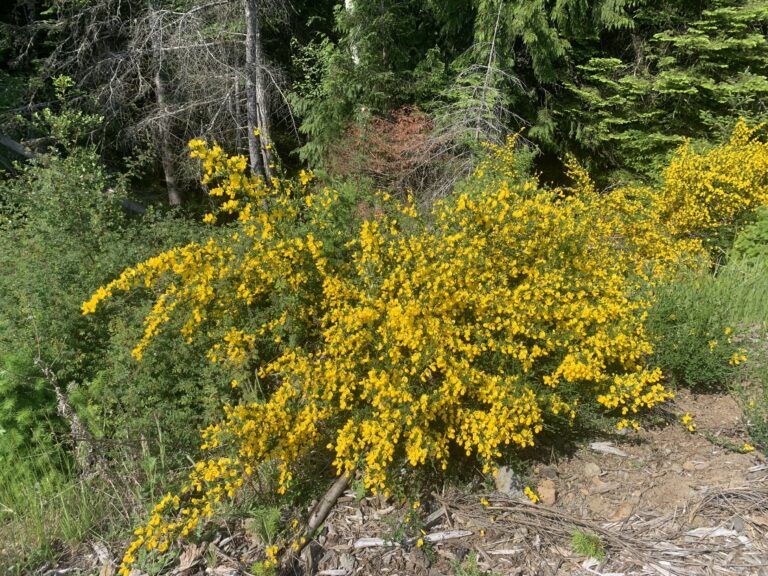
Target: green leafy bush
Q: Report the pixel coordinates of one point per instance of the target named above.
(63, 233)
(695, 338)
(752, 242)
(708, 324)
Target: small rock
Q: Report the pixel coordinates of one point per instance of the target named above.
(347, 562)
(622, 512)
(699, 522)
(607, 448)
(689, 466)
(102, 553)
(600, 487)
(591, 470)
(598, 506)
(737, 524)
(759, 519)
(547, 492)
(548, 472)
(506, 481)
(221, 571)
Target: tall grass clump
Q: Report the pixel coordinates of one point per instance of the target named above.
(45, 510)
(50, 510)
(711, 328)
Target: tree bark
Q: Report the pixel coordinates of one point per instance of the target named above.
(349, 6)
(15, 147)
(164, 125)
(256, 94)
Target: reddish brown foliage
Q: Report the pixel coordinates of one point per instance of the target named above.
(393, 151)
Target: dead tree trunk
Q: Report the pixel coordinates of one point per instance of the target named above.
(87, 456)
(349, 6)
(163, 124)
(259, 140)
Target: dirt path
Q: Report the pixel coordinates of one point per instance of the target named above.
(662, 501)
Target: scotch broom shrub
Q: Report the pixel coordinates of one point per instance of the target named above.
(406, 340)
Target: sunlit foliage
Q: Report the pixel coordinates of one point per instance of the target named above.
(409, 339)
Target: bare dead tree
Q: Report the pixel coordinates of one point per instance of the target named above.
(349, 6)
(475, 109)
(166, 153)
(162, 76)
(259, 134)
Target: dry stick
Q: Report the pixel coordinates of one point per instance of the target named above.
(89, 458)
(316, 518)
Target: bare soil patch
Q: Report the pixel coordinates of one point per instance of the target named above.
(673, 503)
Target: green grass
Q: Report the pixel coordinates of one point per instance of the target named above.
(44, 511)
(264, 524)
(48, 512)
(742, 290)
(470, 567)
(587, 544)
(741, 287)
(702, 320)
(751, 389)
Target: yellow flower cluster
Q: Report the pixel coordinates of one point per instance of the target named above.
(737, 358)
(706, 192)
(531, 494)
(209, 483)
(510, 304)
(688, 422)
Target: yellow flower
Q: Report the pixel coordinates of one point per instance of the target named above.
(531, 494)
(737, 358)
(271, 553)
(306, 176)
(409, 337)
